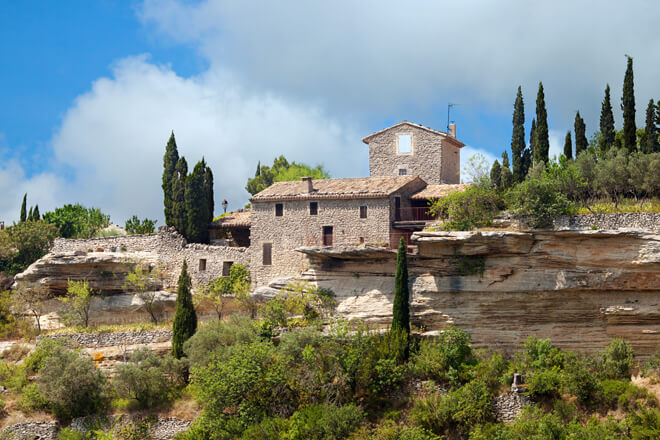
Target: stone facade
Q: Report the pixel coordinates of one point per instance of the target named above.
(434, 156)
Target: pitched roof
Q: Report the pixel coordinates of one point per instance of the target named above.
(233, 220)
(453, 140)
(438, 191)
(354, 188)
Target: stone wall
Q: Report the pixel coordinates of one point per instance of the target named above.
(116, 339)
(638, 220)
(426, 158)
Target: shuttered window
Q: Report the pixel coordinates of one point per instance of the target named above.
(267, 257)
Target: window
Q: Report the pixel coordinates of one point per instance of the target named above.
(361, 240)
(279, 210)
(327, 235)
(363, 211)
(403, 172)
(267, 254)
(313, 208)
(226, 268)
(202, 264)
(405, 144)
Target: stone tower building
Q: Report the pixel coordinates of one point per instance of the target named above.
(412, 149)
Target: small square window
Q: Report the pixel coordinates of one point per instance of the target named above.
(361, 240)
(405, 144)
(226, 268)
(279, 209)
(313, 208)
(202, 264)
(267, 254)
(403, 172)
(363, 211)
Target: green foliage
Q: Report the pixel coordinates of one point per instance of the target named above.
(77, 221)
(581, 142)
(545, 382)
(496, 174)
(24, 244)
(143, 280)
(628, 107)
(618, 359)
(568, 146)
(476, 170)
(607, 131)
(196, 204)
(31, 298)
(308, 300)
(464, 210)
(518, 147)
(70, 384)
(23, 216)
(651, 143)
(506, 178)
(472, 265)
(170, 160)
(401, 303)
(320, 422)
(282, 171)
(392, 431)
(447, 358)
(185, 318)
(76, 303)
(136, 226)
(541, 136)
(179, 218)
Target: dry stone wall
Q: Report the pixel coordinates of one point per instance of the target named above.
(93, 340)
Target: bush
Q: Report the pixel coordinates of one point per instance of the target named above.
(581, 380)
(77, 303)
(30, 240)
(618, 359)
(545, 382)
(464, 210)
(494, 371)
(136, 226)
(446, 358)
(320, 422)
(391, 431)
(70, 384)
(77, 221)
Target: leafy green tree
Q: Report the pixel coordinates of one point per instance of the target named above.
(518, 138)
(185, 318)
(178, 214)
(541, 136)
(476, 170)
(77, 221)
(651, 144)
(30, 241)
(568, 146)
(607, 131)
(506, 179)
(282, 171)
(77, 303)
(496, 174)
(169, 173)
(143, 280)
(31, 298)
(628, 107)
(136, 226)
(23, 216)
(196, 204)
(581, 142)
(618, 359)
(474, 207)
(401, 305)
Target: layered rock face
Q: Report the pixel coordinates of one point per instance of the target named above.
(579, 288)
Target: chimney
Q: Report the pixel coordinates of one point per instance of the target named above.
(452, 130)
(307, 185)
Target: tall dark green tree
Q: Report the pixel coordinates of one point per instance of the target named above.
(178, 215)
(628, 107)
(532, 137)
(35, 214)
(650, 144)
(496, 174)
(506, 179)
(607, 131)
(23, 216)
(258, 173)
(185, 317)
(527, 161)
(541, 135)
(30, 216)
(196, 204)
(568, 146)
(208, 190)
(581, 142)
(169, 173)
(401, 305)
(518, 137)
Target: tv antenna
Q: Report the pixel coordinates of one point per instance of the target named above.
(449, 106)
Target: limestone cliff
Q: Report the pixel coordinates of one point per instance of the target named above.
(580, 288)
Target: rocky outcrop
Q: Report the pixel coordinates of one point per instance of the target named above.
(5, 281)
(579, 287)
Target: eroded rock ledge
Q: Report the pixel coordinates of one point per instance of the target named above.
(579, 287)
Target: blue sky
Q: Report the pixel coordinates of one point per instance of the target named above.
(91, 89)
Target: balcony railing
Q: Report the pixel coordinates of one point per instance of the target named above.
(414, 214)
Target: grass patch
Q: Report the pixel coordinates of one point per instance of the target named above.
(143, 326)
(625, 205)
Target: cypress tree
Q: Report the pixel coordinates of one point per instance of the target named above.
(628, 107)
(258, 173)
(506, 179)
(169, 173)
(607, 131)
(30, 216)
(532, 137)
(196, 205)
(581, 142)
(568, 146)
(23, 216)
(518, 137)
(401, 305)
(496, 174)
(178, 214)
(36, 215)
(541, 136)
(651, 132)
(185, 317)
(527, 161)
(208, 191)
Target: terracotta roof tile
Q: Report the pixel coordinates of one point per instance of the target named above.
(354, 188)
(458, 143)
(438, 191)
(238, 219)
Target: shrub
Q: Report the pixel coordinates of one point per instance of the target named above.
(581, 380)
(270, 427)
(144, 281)
(391, 431)
(77, 221)
(77, 303)
(31, 240)
(494, 371)
(545, 382)
(70, 384)
(136, 226)
(446, 358)
(645, 424)
(433, 412)
(541, 354)
(464, 210)
(618, 359)
(320, 422)
(474, 404)
(44, 349)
